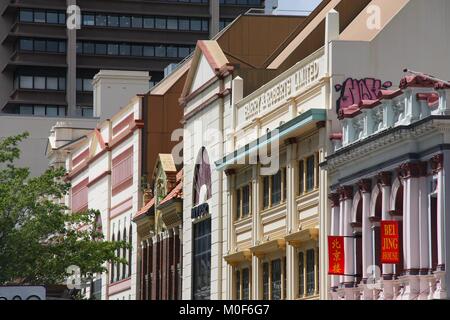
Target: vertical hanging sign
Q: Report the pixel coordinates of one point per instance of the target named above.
(390, 244)
(336, 255)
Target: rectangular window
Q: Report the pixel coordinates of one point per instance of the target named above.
(26, 15)
(125, 21)
(172, 51)
(26, 82)
(172, 24)
(52, 111)
(310, 174)
(39, 45)
(266, 295)
(52, 83)
(26, 109)
(136, 50)
(26, 44)
(62, 18)
(101, 48)
(87, 112)
(196, 24)
(160, 51)
(183, 52)
(125, 49)
(113, 21)
(52, 46)
(245, 201)
(80, 196)
(149, 23)
(246, 284)
(149, 51)
(62, 111)
(301, 274)
(113, 49)
(122, 171)
(62, 83)
(276, 279)
(266, 192)
(62, 47)
(183, 24)
(87, 85)
(39, 110)
(88, 48)
(39, 16)
(101, 20)
(52, 17)
(136, 22)
(205, 25)
(202, 260)
(160, 23)
(39, 83)
(88, 19)
(276, 188)
(310, 274)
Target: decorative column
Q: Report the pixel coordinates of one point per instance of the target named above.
(365, 186)
(425, 264)
(230, 176)
(411, 245)
(143, 273)
(291, 217)
(385, 181)
(257, 233)
(437, 163)
(348, 281)
(148, 277)
(156, 269)
(334, 231)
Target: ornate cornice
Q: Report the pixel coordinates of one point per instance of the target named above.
(365, 185)
(437, 163)
(413, 170)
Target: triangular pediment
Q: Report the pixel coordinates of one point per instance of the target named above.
(207, 61)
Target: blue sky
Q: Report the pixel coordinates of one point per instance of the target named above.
(307, 5)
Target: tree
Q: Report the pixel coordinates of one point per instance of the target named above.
(39, 237)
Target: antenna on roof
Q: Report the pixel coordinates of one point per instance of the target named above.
(426, 76)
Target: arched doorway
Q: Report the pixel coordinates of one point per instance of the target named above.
(398, 211)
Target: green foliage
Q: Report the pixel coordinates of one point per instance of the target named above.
(39, 238)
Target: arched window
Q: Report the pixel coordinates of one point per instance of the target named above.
(130, 250)
(202, 178)
(112, 263)
(124, 254)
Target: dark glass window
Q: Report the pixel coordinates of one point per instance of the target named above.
(113, 49)
(62, 83)
(39, 45)
(301, 274)
(245, 284)
(205, 25)
(113, 21)
(160, 51)
(52, 17)
(88, 112)
(276, 188)
(125, 49)
(52, 46)
(310, 174)
(266, 192)
(62, 47)
(183, 52)
(310, 274)
(245, 201)
(136, 50)
(183, 24)
(52, 111)
(87, 85)
(39, 110)
(101, 48)
(172, 24)
(88, 19)
(125, 21)
(136, 22)
(52, 84)
(101, 20)
(196, 24)
(149, 23)
(202, 260)
(26, 15)
(26, 109)
(172, 51)
(238, 204)
(26, 82)
(276, 279)
(39, 83)
(88, 48)
(39, 16)
(79, 84)
(62, 18)
(26, 44)
(160, 23)
(149, 51)
(266, 281)
(62, 111)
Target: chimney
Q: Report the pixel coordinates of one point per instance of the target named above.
(113, 90)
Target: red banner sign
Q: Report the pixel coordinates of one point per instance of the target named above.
(390, 242)
(336, 255)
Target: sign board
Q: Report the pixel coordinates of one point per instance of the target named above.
(22, 293)
(336, 255)
(390, 242)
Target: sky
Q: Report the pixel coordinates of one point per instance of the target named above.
(287, 5)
